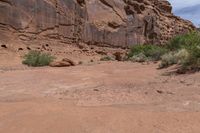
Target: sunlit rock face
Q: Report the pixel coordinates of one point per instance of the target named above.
(112, 23)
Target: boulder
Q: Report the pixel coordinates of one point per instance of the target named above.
(72, 63)
(63, 63)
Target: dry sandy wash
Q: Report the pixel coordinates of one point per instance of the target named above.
(106, 97)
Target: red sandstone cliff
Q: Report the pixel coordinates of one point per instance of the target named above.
(113, 23)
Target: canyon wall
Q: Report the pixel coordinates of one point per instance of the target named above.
(109, 23)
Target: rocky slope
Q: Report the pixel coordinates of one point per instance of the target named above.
(110, 23)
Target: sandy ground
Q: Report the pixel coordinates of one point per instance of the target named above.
(110, 97)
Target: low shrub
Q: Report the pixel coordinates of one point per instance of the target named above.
(182, 56)
(139, 58)
(186, 52)
(167, 60)
(152, 52)
(183, 50)
(184, 41)
(36, 58)
(193, 60)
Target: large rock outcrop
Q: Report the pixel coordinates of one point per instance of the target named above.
(113, 23)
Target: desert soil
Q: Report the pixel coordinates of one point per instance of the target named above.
(106, 97)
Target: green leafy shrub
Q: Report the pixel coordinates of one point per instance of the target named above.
(186, 52)
(152, 52)
(193, 60)
(36, 58)
(183, 50)
(184, 41)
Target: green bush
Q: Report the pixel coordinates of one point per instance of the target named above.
(184, 41)
(183, 50)
(152, 52)
(193, 60)
(186, 52)
(36, 58)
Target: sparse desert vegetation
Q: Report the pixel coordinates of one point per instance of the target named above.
(183, 50)
(37, 59)
(110, 66)
(147, 52)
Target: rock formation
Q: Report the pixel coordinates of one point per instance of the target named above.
(108, 23)
(63, 63)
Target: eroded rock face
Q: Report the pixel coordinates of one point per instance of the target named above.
(113, 23)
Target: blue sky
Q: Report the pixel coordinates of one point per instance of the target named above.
(178, 4)
(187, 9)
